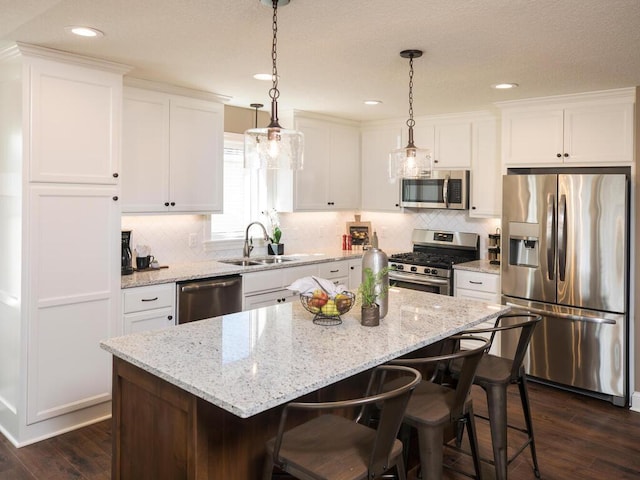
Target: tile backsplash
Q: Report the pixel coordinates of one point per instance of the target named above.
(181, 238)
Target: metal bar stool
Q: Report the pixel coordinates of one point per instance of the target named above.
(433, 408)
(494, 375)
(334, 447)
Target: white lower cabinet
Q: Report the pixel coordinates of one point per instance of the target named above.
(479, 286)
(355, 273)
(148, 308)
(266, 288)
(337, 272)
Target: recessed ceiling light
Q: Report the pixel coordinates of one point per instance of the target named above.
(84, 31)
(263, 76)
(504, 86)
(372, 102)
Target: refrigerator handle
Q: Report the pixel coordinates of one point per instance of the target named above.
(562, 237)
(445, 191)
(551, 228)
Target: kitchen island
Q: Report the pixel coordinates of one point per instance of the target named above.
(199, 400)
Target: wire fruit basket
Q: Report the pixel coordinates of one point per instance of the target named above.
(327, 310)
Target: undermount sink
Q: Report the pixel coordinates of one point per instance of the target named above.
(270, 260)
(241, 263)
(247, 262)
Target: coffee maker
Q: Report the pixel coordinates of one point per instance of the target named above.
(126, 266)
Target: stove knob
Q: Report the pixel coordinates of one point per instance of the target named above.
(399, 267)
(414, 269)
(426, 270)
(434, 271)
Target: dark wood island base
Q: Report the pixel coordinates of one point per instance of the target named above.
(163, 432)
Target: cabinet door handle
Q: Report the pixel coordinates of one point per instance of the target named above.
(166, 204)
(115, 198)
(334, 271)
(173, 204)
(559, 155)
(170, 317)
(115, 175)
(352, 268)
(475, 283)
(150, 299)
(566, 155)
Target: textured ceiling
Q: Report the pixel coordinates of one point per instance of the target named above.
(333, 54)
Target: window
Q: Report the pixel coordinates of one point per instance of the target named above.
(244, 192)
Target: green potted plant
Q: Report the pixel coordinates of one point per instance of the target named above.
(274, 247)
(370, 290)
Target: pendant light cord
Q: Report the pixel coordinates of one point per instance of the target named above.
(411, 122)
(274, 93)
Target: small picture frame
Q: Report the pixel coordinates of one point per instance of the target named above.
(360, 233)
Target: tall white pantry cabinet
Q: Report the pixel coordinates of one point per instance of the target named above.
(59, 239)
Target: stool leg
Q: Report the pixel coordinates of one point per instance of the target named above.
(402, 474)
(267, 472)
(430, 441)
(524, 398)
(497, 403)
(473, 441)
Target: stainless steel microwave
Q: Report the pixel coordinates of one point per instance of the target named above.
(443, 189)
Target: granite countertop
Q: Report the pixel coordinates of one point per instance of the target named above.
(251, 361)
(191, 271)
(482, 266)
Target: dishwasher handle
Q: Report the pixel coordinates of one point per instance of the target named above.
(198, 287)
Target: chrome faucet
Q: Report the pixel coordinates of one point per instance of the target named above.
(246, 251)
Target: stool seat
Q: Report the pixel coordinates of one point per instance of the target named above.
(330, 447)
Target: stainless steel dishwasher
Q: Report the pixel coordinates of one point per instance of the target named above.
(209, 297)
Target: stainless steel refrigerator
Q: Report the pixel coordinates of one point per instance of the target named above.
(565, 255)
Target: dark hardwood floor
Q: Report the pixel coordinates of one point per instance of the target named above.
(577, 437)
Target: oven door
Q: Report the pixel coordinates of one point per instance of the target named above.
(422, 283)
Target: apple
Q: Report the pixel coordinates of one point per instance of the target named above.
(318, 299)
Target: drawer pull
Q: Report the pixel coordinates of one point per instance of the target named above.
(150, 299)
(475, 283)
(334, 271)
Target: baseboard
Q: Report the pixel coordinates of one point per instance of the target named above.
(635, 402)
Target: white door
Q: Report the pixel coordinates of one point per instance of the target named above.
(378, 193)
(145, 152)
(533, 137)
(599, 134)
(311, 183)
(74, 281)
(196, 155)
(453, 145)
(75, 124)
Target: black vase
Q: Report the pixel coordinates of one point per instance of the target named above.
(275, 248)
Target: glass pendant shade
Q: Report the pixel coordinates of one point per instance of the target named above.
(273, 148)
(410, 162)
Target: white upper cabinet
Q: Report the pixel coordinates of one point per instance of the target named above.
(586, 129)
(330, 179)
(450, 141)
(172, 155)
(485, 196)
(378, 193)
(81, 146)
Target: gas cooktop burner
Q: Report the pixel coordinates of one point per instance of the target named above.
(428, 259)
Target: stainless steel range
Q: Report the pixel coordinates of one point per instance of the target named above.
(429, 267)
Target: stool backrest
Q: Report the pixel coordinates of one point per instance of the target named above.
(509, 322)
(391, 404)
(470, 358)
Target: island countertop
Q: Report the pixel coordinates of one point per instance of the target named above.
(249, 362)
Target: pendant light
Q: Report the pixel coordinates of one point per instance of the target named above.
(410, 161)
(273, 147)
